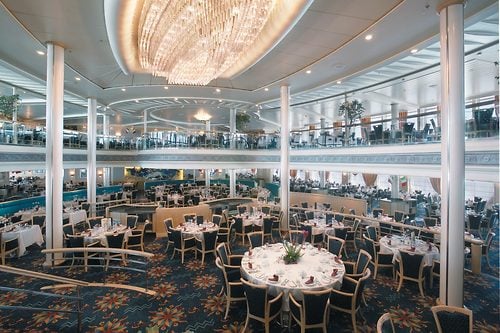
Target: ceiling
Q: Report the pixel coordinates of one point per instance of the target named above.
(328, 40)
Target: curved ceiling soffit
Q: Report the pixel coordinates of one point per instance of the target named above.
(227, 103)
(122, 22)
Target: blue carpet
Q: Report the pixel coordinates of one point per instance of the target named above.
(188, 301)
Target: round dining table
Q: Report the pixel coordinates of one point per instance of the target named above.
(316, 269)
(26, 233)
(191, 229)
(394, 243)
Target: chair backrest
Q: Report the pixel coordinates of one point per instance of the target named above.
(256, 298)
(335, 245)
(307, 230)
(377, 211)
(296, 236)
(268, 225)
(199, 219)
(304, 205)
(68, 229)
(222, 253)
(132, 221)
(315, 304)
(116, 240)
(363, 261)
(238, 224)
(370, 246)
(411, 263)
(430, 221)
(339, 217)
(189, 217)
(398, 216)
(176, 237)
(136, 238)
(216, 219)
(371, 232)
(309, 215)
(487, 243)
(328, 218)
(341, 232)
(93, 221)
(474, 222)
(385, 324)
(210, 239)
(38, 220)
(451, 319)
(242, 209)
(256, 238)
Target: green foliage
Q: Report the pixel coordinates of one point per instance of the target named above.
(8, 104)
(292, 252)
(354, 110)
(242, 119)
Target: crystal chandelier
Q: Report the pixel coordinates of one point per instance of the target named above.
(195, 41)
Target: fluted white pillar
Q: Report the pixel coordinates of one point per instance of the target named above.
(232, 128)
(232, 183)
(285, 152)
(105, 131)
(54, 173)
(452, 152)
(91, 150)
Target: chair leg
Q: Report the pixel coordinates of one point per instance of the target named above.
(353, 318)
(420, 286)
(227, 308)
(400, 283)
(173, 254)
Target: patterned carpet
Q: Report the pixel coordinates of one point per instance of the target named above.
(188, 301)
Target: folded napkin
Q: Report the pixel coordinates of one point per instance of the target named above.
(411, 249)
(311, 280)
(319, 247)
(429, 246)
(389, 242)
(274, 278)
(204, 228)
(250, 265)
(389, 236)
(337, 260)
(249, 252)
(335, 271)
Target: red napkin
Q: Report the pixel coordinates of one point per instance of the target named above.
(274, 278)
(335, 271)
(315, 224)
(429, 246)
(337, 260)
(389, 236)
(311, 280)
(412, 249)
(389, 242)
(319, 247)
(250, 266)
(249, 252)
(204, 228)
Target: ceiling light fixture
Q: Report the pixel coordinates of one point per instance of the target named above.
(166, 88)
(77, 78)
(308, 71)
(414, 51)
(193, 41)
(123, 89)
(339, 82)
(368, 37)
(217, 90)
(40, 52)
(202, 115)
(266, 89)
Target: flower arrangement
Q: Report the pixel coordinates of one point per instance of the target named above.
(352, 109)
(292, 252)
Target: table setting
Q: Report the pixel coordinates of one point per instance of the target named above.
(313, 268)
(392, 244)
(190, 229)
(28, 234)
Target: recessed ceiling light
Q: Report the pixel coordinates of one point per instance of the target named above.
(217, 90)
(266, 89)
(137, 101)
(166, 88)
(40, 52)
(339, 82)
(220, 100)
(308, 71)
(368, 37)
(123, 89)
(77, 78)
(414, 51)
(175, 98)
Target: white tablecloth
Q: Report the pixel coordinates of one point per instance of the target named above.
(268, 261)
(196, 230)
(319, 226)
(253, 219)
(76, 216)
(397, 243)
(28, 235)
(99, 234)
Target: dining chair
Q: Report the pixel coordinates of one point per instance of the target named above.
(410, 267)
(68, 229)
(312, 310)
(399, 215)
(385, 229)
(485, 248)
(168, 222)
(224, 235)
(232, 287)
(135, 241)
(309, 237)
(267, 227)
(206, 244)
(256, 239)
(339, 217)
(79, 242)
(200, 219)
(8, 246)
(216, 219)
(357, 269)
(335, 245)
(475, 225)
(241, 209)
(266, 210)
(93, 221)
(39, 220)
(385, 324)
(377, 211)
(226, 257)
(115, 241)
(240, 229)
(132, 221)
(379, 260)
(371, 232)
(191, 217)
(451, 319)
(426, 236)
(294, 222)
(435, 271)
(348, 298)
(181, 244)
(260, 306)
(430, 221)
(329, 218)
(351, 234)
(309, 215)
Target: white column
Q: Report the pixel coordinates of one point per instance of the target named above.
(395, 187)
(452, 152)
(91, 150)
(232, 183)
(54, 174)
(322, 179)
(145, 130)
(394, 120)
(14, 120)
(105, 131)
(232, 127)
(284, 153)
(207, 177)
(106, 173)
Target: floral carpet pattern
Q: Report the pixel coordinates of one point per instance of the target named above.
(188, 300)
